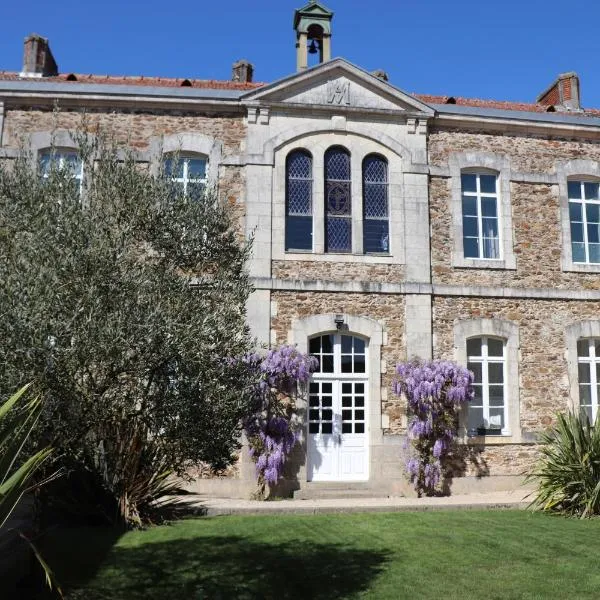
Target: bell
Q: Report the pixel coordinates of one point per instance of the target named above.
(312, 49)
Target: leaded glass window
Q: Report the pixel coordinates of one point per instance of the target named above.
(376, 234)
(588, 375)
(188, 174)
(488, 411)
(481, 230)
(584, 214)
(338, 201)
(298, 204)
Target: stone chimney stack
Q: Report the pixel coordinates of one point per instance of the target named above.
(243, 71)
(37, 58)
(563, 93)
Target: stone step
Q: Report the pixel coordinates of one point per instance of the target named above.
(313, 491)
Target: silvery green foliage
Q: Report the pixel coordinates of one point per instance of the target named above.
(97, 308)
(435, 390)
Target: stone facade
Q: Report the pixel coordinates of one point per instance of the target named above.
(421, 297)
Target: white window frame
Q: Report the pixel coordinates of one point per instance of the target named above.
(574, 333)
(485, 360)
(59, 157)
(508, 331)
(488, 164)
(584, 203)
(479, 196)
(185, 180)
(592, 359)
(573, 170)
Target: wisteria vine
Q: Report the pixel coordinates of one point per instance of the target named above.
(434, 390)
(272, 430)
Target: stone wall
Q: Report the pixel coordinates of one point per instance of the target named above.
(388, 310)
(336, 271)
(543, 368)
(536, 213)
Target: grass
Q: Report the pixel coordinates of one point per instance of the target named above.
(470, 554)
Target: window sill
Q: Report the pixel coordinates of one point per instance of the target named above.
(490, 440)
(507, 264)
(581, 267)
(346, 257)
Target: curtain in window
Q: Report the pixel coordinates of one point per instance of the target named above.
(298, 205)
(376, 235)
(338, 201)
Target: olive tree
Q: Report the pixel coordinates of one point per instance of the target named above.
(123, 298)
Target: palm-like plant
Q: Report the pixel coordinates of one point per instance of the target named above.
(568, 470)
(18, 417)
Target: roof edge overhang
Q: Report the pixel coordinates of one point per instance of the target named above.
(271, 90)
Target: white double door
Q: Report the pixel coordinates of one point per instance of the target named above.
(337, 431)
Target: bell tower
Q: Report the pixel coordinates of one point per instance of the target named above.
(313, 33)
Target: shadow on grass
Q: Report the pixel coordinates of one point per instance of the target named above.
(220, 568)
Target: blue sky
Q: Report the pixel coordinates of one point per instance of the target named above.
(478, 48)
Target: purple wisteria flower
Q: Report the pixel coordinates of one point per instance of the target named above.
(434, 391)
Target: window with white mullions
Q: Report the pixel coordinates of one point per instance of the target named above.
(298, 201)
(338, 201)
(188, 173)
(376, 234)
(588, 375)
(481, 220)
(584, 214)
(488, 411)
(62, 160)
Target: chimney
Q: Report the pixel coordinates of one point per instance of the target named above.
(37, 58)
(563, 93)
(380, 74)
(242, 71)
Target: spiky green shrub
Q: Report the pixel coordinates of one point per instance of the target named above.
(567, 472)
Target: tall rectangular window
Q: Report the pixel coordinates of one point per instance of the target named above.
(338, 201)
(588, 372)
(376, 231)
(488, 411)
(481, 227)
(298, 201)
(584, 214)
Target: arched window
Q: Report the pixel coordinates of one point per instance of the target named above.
(338, 201)
(67, 160)
(376, 234)
(488, 411)
(584, 215)
(298, 202)
(480, 215)
(188, 173)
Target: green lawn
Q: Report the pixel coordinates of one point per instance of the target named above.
(470, 554)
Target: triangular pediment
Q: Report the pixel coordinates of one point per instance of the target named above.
(338, 84)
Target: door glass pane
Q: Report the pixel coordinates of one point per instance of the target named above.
(359, 388)
(346, 344)
(346, 415)
(346, 401)
(347, 363)
(346, 427)
(359, 415)
(314, 345)
(346, 388)
(327, 364)
(359, 401)
(359, 428)
(359, 363)
(327, 428)
(327, 388)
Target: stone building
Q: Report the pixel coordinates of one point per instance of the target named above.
(387, 226)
